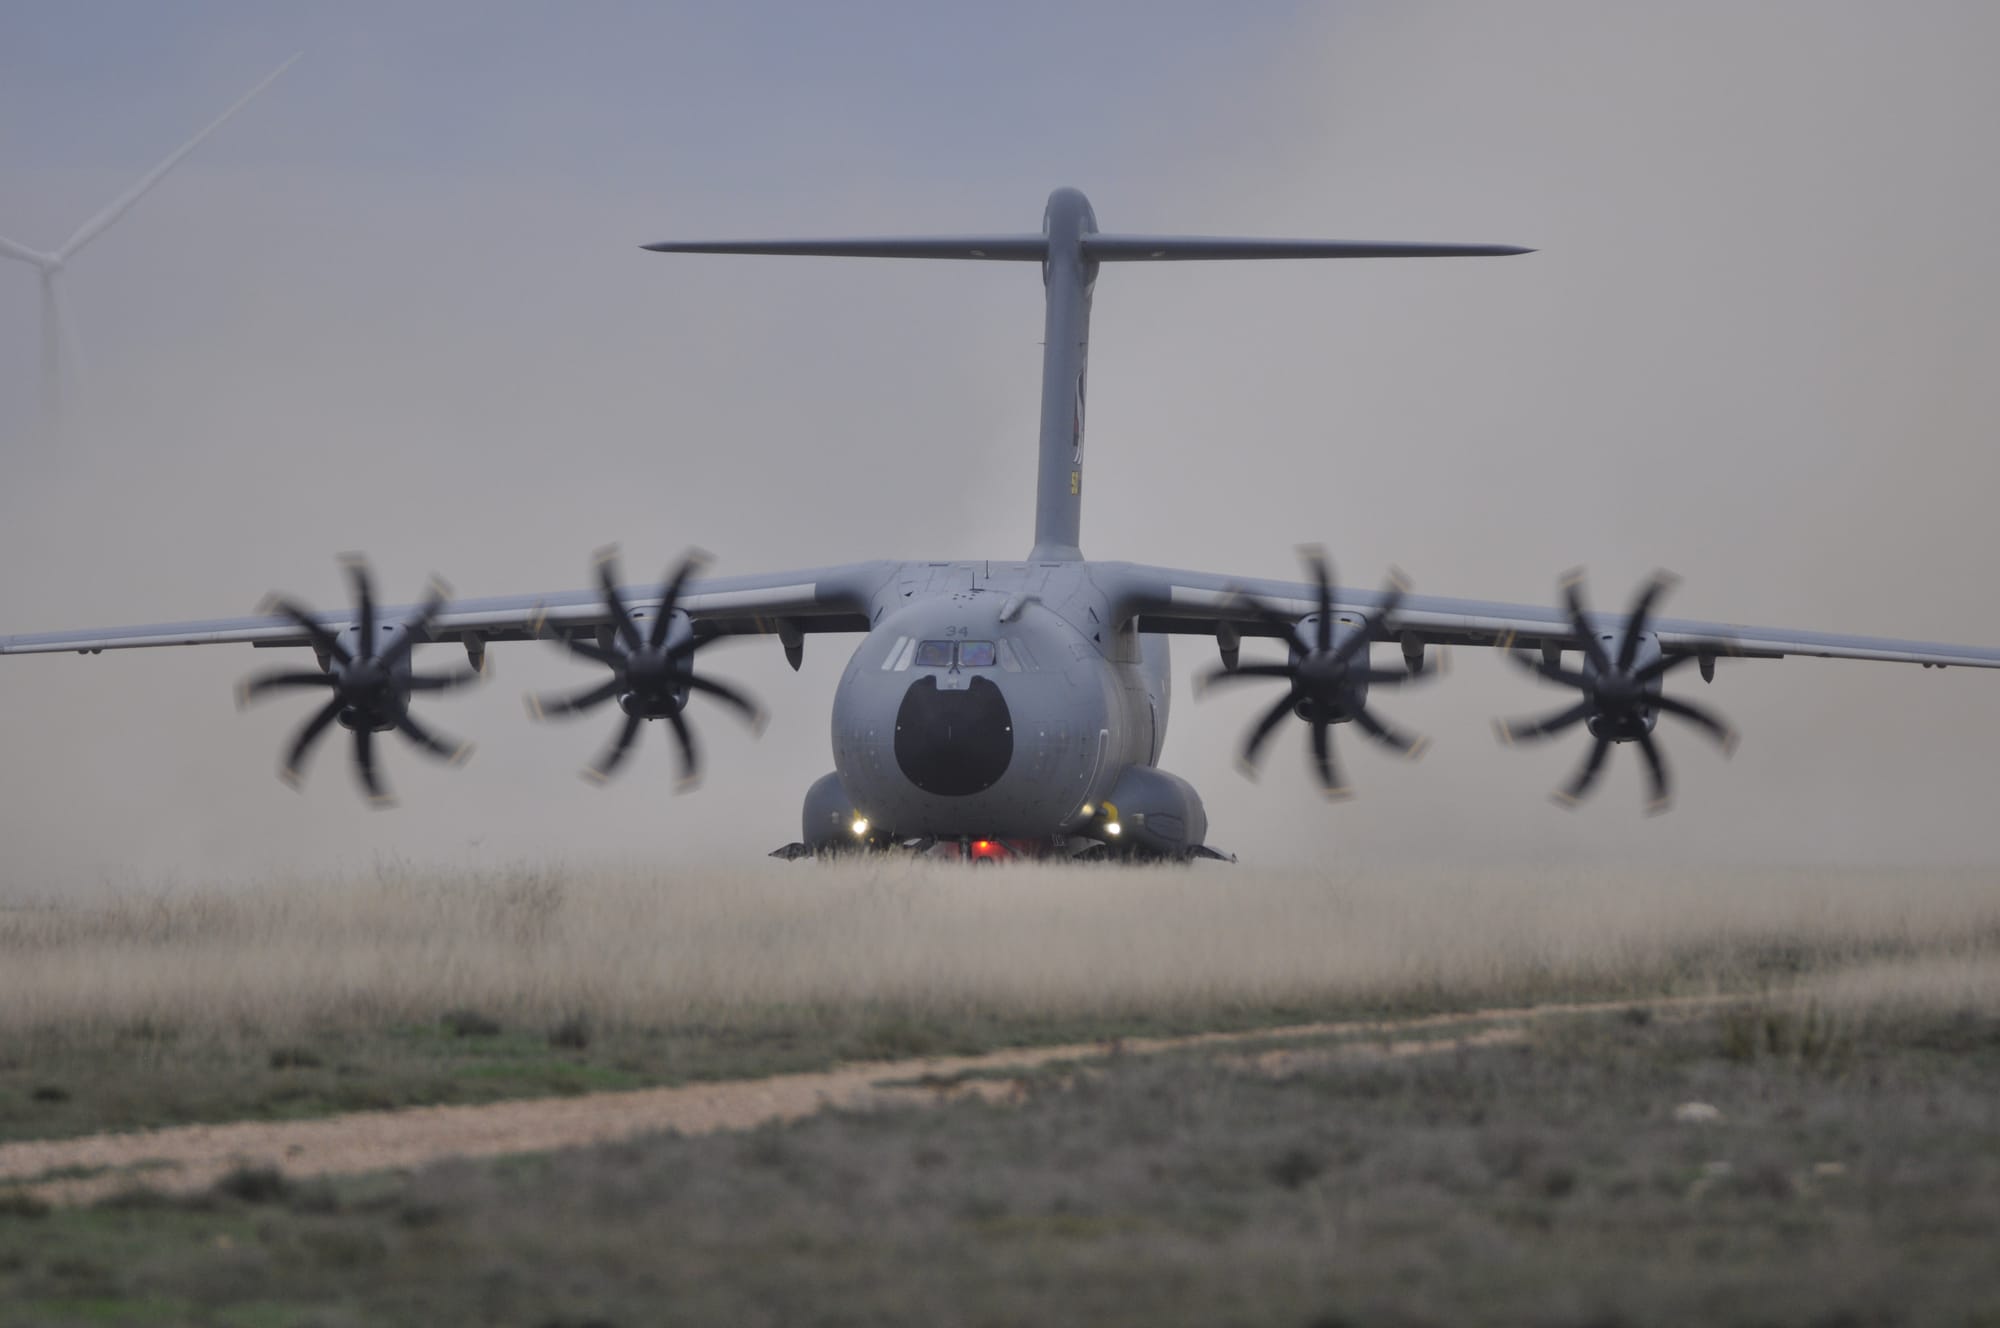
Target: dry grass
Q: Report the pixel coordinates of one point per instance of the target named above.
(1845, 1173)
(721, 948)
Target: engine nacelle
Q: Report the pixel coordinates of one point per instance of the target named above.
(375, 694)
(1345, 627)
(1617, 719)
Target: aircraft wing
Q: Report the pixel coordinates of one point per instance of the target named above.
(1206, 603)
(824, 599)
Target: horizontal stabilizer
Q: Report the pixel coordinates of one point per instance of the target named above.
(1014, 248)
(1184, 248)
(1096, 248)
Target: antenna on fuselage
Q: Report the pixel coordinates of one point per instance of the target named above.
(1069, 249)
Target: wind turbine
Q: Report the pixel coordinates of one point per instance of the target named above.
(59, 344)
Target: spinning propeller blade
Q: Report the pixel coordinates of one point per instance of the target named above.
(652, 672)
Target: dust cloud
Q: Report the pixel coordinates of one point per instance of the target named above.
(399, 307)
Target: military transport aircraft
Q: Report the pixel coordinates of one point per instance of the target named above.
(1012, 707)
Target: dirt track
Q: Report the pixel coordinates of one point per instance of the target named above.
(194, 1157)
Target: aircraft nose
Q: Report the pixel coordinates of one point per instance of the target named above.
(954, 743)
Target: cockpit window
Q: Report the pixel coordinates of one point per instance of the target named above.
(970, 654)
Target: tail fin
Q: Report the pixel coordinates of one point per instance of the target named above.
(1069, 250)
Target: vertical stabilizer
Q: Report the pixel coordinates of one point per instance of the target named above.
(1069, 278)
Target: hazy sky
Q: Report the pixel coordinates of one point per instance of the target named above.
(398, 305)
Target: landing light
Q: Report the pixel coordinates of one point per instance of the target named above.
(1113, 829)
(860, 826)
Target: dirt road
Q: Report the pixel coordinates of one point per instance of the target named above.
(194, 1157)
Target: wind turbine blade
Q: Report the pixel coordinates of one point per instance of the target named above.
(91, 229)
(51, 352)
(66, 342)
(24, 253)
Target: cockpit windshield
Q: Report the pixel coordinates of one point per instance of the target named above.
(969, 654)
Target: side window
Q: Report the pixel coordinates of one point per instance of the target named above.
(934, 654)
(975, 654)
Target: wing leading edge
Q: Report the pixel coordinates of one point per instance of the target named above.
(825, 599)
(1205, 603)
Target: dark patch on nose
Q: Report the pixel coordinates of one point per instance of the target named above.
(954, 743)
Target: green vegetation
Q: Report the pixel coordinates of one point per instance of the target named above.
(1850, 1175)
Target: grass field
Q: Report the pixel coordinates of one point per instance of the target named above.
(1851, 1175)
(296, 998)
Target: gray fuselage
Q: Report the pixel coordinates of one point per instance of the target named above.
(994, 700)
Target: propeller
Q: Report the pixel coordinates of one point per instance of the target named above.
(1620, 693)
(1327, 676)
(370, 679)
(652, 672)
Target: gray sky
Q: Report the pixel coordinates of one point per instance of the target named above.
(398, 305)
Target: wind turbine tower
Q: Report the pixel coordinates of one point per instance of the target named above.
(61, 354)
